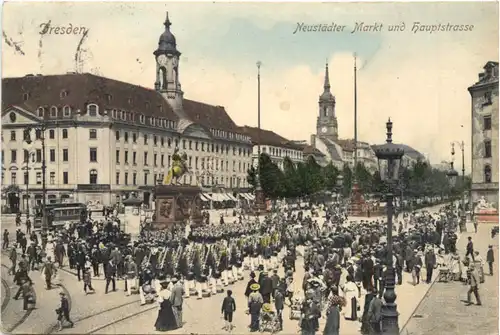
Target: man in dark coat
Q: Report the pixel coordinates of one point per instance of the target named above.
(490, 258)
(110, 273)
(250, 283)
(266, 287)
(430, 263)
(63, 311)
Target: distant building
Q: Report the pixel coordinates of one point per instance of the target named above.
(274, 145)
(484, 101)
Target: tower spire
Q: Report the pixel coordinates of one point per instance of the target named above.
(326, 86)
(167, 23)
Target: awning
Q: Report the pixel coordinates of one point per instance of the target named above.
(228, 197)
(207, 196)
(251, 196)
(203, 197)
(231, 197)
(246, 196)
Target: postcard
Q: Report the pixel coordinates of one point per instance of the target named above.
(208, 168)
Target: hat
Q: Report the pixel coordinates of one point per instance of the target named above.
(174, 279)
(255, 287)
(267, 308)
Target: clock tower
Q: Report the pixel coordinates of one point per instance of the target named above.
(326, 123)
(167, 69)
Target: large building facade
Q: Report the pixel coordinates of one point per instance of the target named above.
(105, 139)
(484, 98)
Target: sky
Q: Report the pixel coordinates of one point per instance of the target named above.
(418, 79)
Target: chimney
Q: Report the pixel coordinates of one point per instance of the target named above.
(313, 140)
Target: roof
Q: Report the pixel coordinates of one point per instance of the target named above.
(78, 90)
(310, 150)
(268, 137)
(347, 145)
(489, 76)
(212, 117)
(332, 149)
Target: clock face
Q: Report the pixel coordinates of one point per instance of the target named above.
(162, 59)
(324, 130)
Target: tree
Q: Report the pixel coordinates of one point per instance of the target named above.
(292, 182)
(330, 176)
(347, 180)
(271, 177)
(313, 178)
(364, 178)
(252, 177)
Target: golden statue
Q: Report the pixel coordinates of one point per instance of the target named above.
(178, 168)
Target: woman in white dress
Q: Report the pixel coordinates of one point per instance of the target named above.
(351, 294)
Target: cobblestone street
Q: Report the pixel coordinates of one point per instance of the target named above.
(443, 310)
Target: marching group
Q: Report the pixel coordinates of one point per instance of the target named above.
(343, 261)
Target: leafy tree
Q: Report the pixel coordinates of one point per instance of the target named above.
(347, 180)
(292, 182)
(252, 177)
(364, 178)
(271, 177)
(330, 175)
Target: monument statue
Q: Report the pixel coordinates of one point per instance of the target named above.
(178, 169)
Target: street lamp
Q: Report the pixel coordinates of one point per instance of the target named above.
(31, 155)
(259, 195)
(452, 175)
(389, 157)
(461, 145)
(40, 135)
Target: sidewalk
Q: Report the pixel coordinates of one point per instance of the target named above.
(443, 312)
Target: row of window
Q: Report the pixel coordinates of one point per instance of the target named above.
(210, 163)
(282, 152)
(52, 134)
(186, 144)
(38, 178)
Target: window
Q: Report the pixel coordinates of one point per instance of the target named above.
(155, 179)
(38, 134)
(145, 158)
(196, 145)
(134, 138)
(65, 133)
(117, 135)
(12, 135)
(487, 122)
(487, 148)
(146, 177)
(162, 141)
(65, 155)
(125, 159)
(52, 178)
(67, 111)
(125, 137)
(155, 159)
(117, 156)
(93, 176)
(26, 155)
(126, 178)
(176, 142)
(169, 142)
(13, 156)
(162, 160)
(168, 161)
(93, 154)
(52, 134)
(190, 145)
(63, 94)
(487, 174)
(134, 178)
(196, 163)
(487, 99)
(183, 144)
(92, 109)
(52, 155)
(41, 112)
(109, 97)
(26, 178)
(92, 134)
(39, 178)
(13, 178)
(142, 119)
(134, 158)
(155, 140)
(145, 139)
(26, 96)
(53, 111)
(65, 178)
(117, 181)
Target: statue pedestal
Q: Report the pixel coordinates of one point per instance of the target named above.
(176, 204)
(260, 202)
(486, 215)
(357, 207)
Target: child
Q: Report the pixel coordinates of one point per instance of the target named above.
(228, 308)
(87, 281)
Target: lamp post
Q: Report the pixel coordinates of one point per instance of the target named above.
(40, 135)
(27, 181)
(452, 175)
(389, 157)
(259, 195)
(461, 145)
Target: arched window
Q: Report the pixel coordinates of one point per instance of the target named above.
(92, 110)
(41, 112)
(53, 111)
(67, 111)
(487, 174)
(325, 111)
(93, 176)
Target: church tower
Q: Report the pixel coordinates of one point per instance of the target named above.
(326, 124)
(167, 69)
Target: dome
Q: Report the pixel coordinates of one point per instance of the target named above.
(167, 42)
(327, 96)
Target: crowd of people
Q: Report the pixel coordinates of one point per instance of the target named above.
(342, 260)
